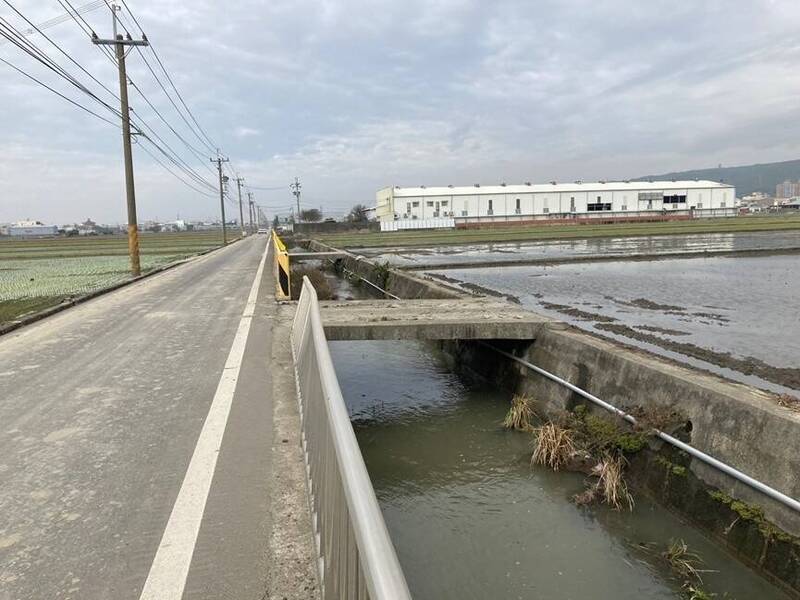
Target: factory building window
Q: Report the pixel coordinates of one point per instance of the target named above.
(722, 205)
(415, 204)
(598, 206)
(518, 208)
(490, 210)
(463, 213)
(545, 210)
(430, 203)
(675, 199)
(624, 207)
(444, 202)
(699, 205)
(408, 207)
(572, 204)
(650, 196)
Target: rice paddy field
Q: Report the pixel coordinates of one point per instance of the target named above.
(432, 237)
(38, 273)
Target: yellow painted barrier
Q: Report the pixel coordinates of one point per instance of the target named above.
(282, 270)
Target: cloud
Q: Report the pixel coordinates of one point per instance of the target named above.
(244, 132)
(353, 95)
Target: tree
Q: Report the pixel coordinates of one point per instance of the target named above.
(311, 215)
(358, 214)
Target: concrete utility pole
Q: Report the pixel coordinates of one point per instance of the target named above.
(119, 44)
(296, 191)
(250, 209)
(239, 181)
(219, 160)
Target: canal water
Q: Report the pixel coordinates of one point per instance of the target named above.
(471, 519)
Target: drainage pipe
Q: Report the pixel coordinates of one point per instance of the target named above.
(710, 460)
(365, 280)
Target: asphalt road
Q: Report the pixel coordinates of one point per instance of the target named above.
(102, 408)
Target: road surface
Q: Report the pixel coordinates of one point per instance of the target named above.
(112, 480)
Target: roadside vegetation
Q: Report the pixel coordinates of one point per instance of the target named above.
(39, 273)
(556, 232)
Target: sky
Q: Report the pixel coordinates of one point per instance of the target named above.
(352, 96)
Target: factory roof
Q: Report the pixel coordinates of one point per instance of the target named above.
(553, 187)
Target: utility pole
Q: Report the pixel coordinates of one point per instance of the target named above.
(250, 208)
(296, 191)
(219, 160)
(239, 181)
(119, 44)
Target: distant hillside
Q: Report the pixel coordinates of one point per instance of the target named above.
(748, 179)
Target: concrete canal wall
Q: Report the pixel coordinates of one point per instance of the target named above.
(735, 423)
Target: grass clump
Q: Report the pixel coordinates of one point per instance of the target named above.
(520, 414)
(602, 435)
(610, 486)
(682, 561)
(553, 446)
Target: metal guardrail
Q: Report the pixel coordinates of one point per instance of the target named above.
(282, 270)
(356, 557)
(738, 475)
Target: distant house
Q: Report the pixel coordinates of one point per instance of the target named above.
(793, 203)
(30, 229)
(88, 227)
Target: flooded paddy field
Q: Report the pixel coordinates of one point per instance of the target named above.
(564, 250)
(469, 516)
(734, 316)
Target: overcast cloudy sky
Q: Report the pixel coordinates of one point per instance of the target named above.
(354, 95)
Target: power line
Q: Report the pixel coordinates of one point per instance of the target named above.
(169, 153)
(57, 93)
(60, 49)
(211, 144)
(10, 32)
(63, 18)
(175, 175)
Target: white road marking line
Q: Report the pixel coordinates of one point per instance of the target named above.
(170, 567)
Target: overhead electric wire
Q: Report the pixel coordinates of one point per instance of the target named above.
(175, 175)
(169, 153)
(12, 34)
(62, 51)
(90, 6)
(57, 93)
(38, 54)
(208, 142)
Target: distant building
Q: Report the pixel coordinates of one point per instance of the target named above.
(787, 189)
(793, 203)
(30, 229)
(422, 207)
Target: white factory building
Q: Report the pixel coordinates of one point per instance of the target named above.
(29, 229)
(424, 207)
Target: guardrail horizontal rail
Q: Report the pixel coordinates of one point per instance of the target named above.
(356, 556)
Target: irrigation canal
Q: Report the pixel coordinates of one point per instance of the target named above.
(470, 518)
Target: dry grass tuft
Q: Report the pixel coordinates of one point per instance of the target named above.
(610, 486)
(553, 446)
(520, 414)
(684, 562)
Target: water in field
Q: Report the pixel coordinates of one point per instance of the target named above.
(554, 250)
(470, 519)
(736, 316)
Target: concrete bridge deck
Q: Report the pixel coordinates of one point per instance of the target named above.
(456, 318)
